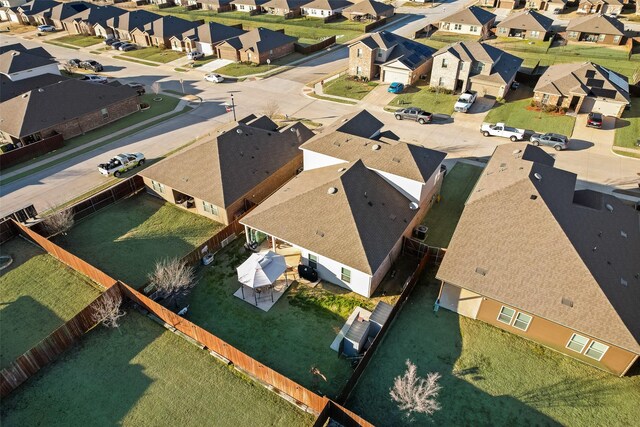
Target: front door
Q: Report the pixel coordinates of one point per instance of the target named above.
(574, 103)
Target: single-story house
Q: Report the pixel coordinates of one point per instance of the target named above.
(528, 25)
(69, 108)
(607, 7)
(83, 22)
(286, 8)
(583, 88)
(256, 46)
(236, 169)
(248, 5)
(160, 31)
(596, 29)
(215, 5)
(350, 209)
(17, 62)
(392, 57)
(557, 266)
(368, 10)
(205, 37)
(121, 26)
(550, 5)
(474, 66)
(472, 20)
(502, 4)
(325, 8)
(58, 14)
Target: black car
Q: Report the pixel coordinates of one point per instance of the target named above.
(91, 65)
(74, 63)
(116, 45)
(111, 41)
(415, 114)
(594, 120)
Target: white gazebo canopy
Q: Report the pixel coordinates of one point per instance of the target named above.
(261, 269)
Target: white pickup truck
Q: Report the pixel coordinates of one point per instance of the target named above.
(499, 129)
(121, 163)
(465, 101)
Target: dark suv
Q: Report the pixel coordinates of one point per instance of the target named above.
(91, 65)
(594, 120)
(415, 114)
(555, 140)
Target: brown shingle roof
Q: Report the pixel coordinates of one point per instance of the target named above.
(370, 7)
(540, 241)
(529, 20)
(223, 170)
(260, 40)
(473, 15)
(596, 24)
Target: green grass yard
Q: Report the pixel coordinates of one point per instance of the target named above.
(240, 69)
(38, 295)
(421, 96)
(628, 128)
(127, 238)
(77, 40)
(347, 87)
(443, 216)
(516, 114)
(489, 377)
(143, 375)
(292, 337)
(154, 54)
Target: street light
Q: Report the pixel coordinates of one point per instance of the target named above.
(233, 108)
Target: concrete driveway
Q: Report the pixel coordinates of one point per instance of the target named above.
(378, 97)
(596, 140)
(476, 114)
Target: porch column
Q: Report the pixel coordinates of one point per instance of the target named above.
(273, 243)
(246, 234)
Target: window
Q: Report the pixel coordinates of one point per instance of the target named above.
(457, 26)
(506, 315)
(522, 321)
(105, 113)
(379, 54)
(545, 98)
(313, 261)
(473, 28)
(502, 30)
(445, 62)
(208, 207)
(358, 70)
(535, 34)
(616, 39)
(573, 34)
(157, 186)
(346, 275)
(359, 53)
(478, 67)
(596, 350)
(577, 343)
(441, 81)
(601, 37)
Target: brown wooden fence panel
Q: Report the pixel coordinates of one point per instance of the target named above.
(342, 415)
(47, 350)
(107, 197)
(28, 152)
(239, 359)
(375, 25)
(315, 47)
(71, 260)
(7, 230)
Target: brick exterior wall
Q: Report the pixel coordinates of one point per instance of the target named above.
(528, 35)
(93, 119)
(608, 38)
(261, 57)
(508, 4)
(365, 62)
(451, 73)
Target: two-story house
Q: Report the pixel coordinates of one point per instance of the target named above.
(391, 57)
(474, 66)
(473, 20)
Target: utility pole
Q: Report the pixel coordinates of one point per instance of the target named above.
(233, 108)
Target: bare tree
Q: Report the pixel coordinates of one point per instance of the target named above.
(108, 312)
(415, 394)
(271, 110)
(155, 88)
(58, 221)
(171, 276)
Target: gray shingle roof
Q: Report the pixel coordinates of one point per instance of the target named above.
(473, 15)
(529, 20)
(260, 40)
(410, 53)
(370, 7)
(10, 89)
(96, 14)
(327, 4)
(596, 24)
(14, 61)
(580, 245)
(134, 19)
(213, 32)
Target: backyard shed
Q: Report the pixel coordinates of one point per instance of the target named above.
(356, 337)
(379, 317)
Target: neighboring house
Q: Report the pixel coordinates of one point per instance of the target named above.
(256, 46)
(596, 29)
(583, 88)
(549, 5)
(325, 8)
(237, 169)
(473, 20)
(205, 37)
(474, 66)
(215, 5)
(12, 3)
(286, 8)
(390, 56)
(528, 25)
(122, 26)
(368, 10)
(160, 31)
(58, 14)
(248, 5)
(69, 108)
(18, 62)
(502, 4)
(35, 12)
(350, 209)
(84, 22)
(558, 266)
(608, 7)
(10, 89)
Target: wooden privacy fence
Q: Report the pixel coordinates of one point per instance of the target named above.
(47, 350)
(7, 230)
(380, 22)
(315, 47)
(69, 259)
(340, 414)
(213, 243)
(404, 296)
(28, 152)
(240, 360)
(107, 197)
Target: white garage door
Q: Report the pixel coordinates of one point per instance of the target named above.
(605, 107)
(391, 75)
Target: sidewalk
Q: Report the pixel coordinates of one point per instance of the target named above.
(69, 153)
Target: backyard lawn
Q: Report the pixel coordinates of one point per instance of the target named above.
(443, 216)
(143, 375)
(516, 114)
(422, 97)
(154, 54)
(38, 295)
(629, 133)
(239, 69)
(127, 238)
(292, 337)
(489, 377)
(347, 87)
(77, 40)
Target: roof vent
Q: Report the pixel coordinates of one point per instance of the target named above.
(293, 129)
(623, 234)
(567, 302)
(395, 159)
(537, 176)
(375, 147)
(413, 206)
(623, 282)
(609, 207)
(15, 53)
(370, 203)
(342, 169)
(481, 271)
(40, 90)
(24, 95)
(239, 131)
(319, 233)
(332, 190)
(533, 197)
(517, 152)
